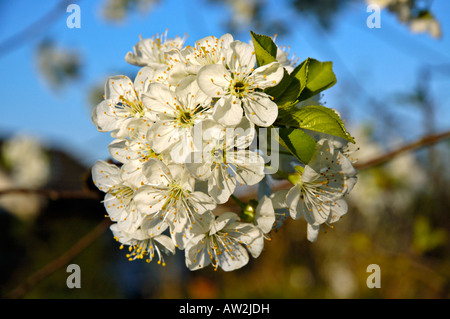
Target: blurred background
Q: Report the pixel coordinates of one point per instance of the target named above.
(392, 90)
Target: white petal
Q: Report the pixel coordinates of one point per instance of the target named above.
(154, 225)
(105, 175)
(243, 134)
(117, 86)
(203, 223)
(222, 221)
(143, 79)
(214, 80)
(265, 215)
(228, 111)
(160, 99)
(249, 166)
(339, 209)
(268, 75)
(201, 169)
(196, 253)
(279, 199)
(241, 57)
(115, 207)
(118, 150)
(260, 109)
(189, 93)
(156, 172)
(221, 185)
(312, 232)
(250, 236)
(294, 202)
(256, 246)
(149, 200)
(177, 73)
(132, 173)
(225, 41)
(103, 117)
(165, 136)
(314, 213)
(166, 242)
(181, 150)
(239, 260)
(201, 202)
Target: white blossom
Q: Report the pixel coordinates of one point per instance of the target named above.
(123, 104)
(134, 151)
(189, 60)
(153, 52)
(318, 195)
(119, 198)
(179, 111)
(184, 132)
(265, 215)
(225, 160)
(170, 196)
(223, 242)
(238, 85)
(145, 242)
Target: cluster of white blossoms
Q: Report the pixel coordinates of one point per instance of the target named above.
(182, 132)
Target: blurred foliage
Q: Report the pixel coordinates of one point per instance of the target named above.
(416, 14)
(118, 10)
(324, 11)
(58, 66)
(251, 14)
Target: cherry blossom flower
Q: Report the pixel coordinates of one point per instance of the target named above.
(179, 111)
(320, 187)
(153, 52)
(119, 198)
(145, 242)
(170, 196)
(188, 61)
(238, 85)
(224, 242)
(123, 104)
(225, 160)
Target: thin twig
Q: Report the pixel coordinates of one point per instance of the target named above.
(32, 31)
(425, 141)
(58, 263)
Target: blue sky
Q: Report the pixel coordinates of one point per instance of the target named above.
(367, 62)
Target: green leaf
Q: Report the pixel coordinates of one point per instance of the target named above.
(297, 142)
(297, 82)
(265, 49)
(286, 92)
(316, 118)
(301, 73)
(319, 76)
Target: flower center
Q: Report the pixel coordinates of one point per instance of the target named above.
(239, 88)
(135, 107)
(185, 118)
(176, 192)
(205, 56)
(123, 193)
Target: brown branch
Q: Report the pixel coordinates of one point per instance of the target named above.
(61, 261)
(425, 141)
